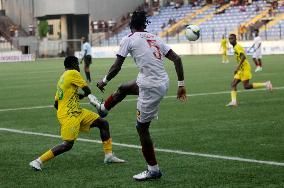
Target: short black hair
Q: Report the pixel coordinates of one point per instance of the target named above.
(84, 39)
(71, 61)
(138, 20)
(234, 35)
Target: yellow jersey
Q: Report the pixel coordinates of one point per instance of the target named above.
(67, 94)
(224, 43)
(238, 50)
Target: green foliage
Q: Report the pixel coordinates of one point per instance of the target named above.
(43, 28)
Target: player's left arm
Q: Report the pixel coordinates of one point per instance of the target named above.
(87, 91)
(78, 80)
(113, 71)
(181, 93)
(242, 59)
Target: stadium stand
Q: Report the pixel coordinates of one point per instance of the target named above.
(275, 28)
(214, 21)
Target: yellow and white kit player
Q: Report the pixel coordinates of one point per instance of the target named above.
(243, 72)
(74, 119)
(224, 46)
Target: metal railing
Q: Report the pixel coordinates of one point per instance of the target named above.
(213, 35)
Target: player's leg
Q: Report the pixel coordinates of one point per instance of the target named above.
(153, 171)
(223, 57)
(226, 59)
(267, 85)
(123, 90)
(260, 63)
(147, 107)
(247, 85)
(69, 132)
(57, 150)
(103, 126)
(87, 63)
(234, 84)
(255, 61)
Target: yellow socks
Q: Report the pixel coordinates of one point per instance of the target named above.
(46, 156)
(234, 95)
(258, 85)
(107, 146)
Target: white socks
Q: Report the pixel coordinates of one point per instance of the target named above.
(153, 168)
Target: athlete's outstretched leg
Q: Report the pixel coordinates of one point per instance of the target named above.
(247, 85)
(123, 90)
(57, 150)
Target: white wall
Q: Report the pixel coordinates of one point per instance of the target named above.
(98, 9)
(197, 48)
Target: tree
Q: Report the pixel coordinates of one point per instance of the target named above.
(43, 28)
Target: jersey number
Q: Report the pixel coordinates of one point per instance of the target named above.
(153, 45)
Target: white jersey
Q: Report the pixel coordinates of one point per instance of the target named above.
(257, 44)
(87, 47)
(148, 51)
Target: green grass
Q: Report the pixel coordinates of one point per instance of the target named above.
(253, 130)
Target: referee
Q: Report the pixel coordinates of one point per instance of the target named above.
(87, 50)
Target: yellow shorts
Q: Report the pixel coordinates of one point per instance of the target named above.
(243, 75)
(71, 126)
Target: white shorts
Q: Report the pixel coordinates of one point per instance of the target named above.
(148, 102)
(257, 55)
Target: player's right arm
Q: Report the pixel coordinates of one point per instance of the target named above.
(242, 59)
(113, 71)
(181, 93)
(116, 67)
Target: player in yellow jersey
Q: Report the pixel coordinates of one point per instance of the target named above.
(243, 72)
(73, 118)
(224, 46)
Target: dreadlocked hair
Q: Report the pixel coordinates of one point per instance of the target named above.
(138, 20)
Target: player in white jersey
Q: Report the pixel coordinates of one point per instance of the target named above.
(151, 84)
(87, 57)
(257, 55)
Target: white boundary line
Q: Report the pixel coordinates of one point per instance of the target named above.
(273, 163)
(130, 100)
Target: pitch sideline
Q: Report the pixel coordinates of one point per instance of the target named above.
(230, 158)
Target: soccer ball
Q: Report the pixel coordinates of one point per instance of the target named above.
(192, 32)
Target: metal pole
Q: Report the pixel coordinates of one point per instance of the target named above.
(213, 35)
(280, 32)
(265, 32)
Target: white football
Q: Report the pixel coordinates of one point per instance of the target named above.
(192, 32)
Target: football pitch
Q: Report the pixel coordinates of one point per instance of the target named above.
(200, 143)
